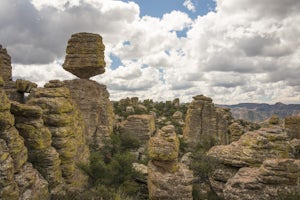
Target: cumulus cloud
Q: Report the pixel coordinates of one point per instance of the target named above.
(247, 50)
(189, 5)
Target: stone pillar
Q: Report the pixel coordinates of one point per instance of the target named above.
(167, 178)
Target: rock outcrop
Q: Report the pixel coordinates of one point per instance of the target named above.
(275, 178)
(85, 55)
(18, 179)
(256, 166)
(167, 178)
(254, 147)
(38, 140)
(141, 127)
(93, 101)
(5, 65)
(62, 118)
(292, 125)
(206, 124)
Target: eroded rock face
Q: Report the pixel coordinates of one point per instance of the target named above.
(167, 179)
(275, 177)
(93, 101)
(62, 118)
(206, 124)
(254, 147)
(38, 140)
(18, 180)
(139, 126)
(8, 186)
(292, 124)
(257, 166)
(85, 55)
(5, 65)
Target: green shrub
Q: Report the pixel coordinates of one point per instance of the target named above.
(110, 171)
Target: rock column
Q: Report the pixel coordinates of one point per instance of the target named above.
(167, 178)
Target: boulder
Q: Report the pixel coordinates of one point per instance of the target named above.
(85, 55)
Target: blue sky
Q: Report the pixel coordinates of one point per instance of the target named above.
(157, 8)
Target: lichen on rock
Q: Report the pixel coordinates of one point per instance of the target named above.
(167, 178)
(85, 55)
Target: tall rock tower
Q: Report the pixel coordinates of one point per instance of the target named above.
(205, 124)
(5, 65)
(84, 59)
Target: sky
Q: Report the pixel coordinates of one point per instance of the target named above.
(230, 50)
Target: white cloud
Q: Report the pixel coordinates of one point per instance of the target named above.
(189, 5)
(246, 51)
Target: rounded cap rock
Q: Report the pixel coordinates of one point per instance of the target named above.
(85, 55)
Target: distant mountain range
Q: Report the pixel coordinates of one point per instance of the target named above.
(257, 112)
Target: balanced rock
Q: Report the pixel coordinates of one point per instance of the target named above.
(5, 65)
(85, 55)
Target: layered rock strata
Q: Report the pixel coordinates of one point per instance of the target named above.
(18, 179)
(205, 124)
(260, 162)
(141, 127)
(38, 140)
(62, 118)
(276, 178)
(5, 65)
(167, 178)
(93, 101)
(85, 55)
(292, 125)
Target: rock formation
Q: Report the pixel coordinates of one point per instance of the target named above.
(205, 124)
(167, 178)
(256, 166)
(93, 101)
(292, 125)
(141, 127)
(5, 65)
(48, 127)
(85, 55)
(275, 178)
(38, 140)
(18, 179)
(62, 118)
